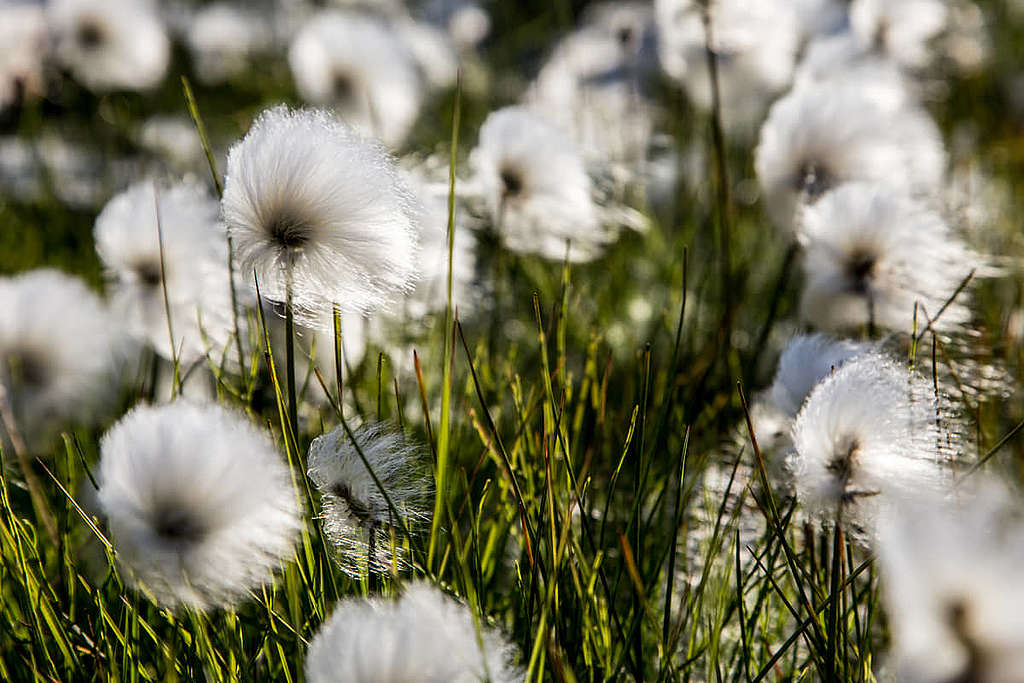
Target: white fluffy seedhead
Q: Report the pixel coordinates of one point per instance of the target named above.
(22, 51)
(806, 361)
(424, 636)
(200, 504)
(871, 434)
(223, 38)
(756, 42)
(59, 351)
(356, 64)
(816, 138)
(871, 253)
(306, 198)
(899, 29)
(536, 189)
(195, 260)
(110, 44)
(952, 585)
(356, 514)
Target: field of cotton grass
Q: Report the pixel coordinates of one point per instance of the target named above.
(460, 340)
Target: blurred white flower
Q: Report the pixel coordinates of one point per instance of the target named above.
(536, 188)
(319, 210)
(871, 434)
(871, 253)
(818, 137)
(22, 52)
(465, 21)
(110, 44)
(756, 44)
(839, 59)
(175, 139)
(424, 636)
(901, 29)
(223, 38)
(59, 352)
(591, 87)
(433, 50)
(817, 18)
(356, 515)
(359, 66)
(953, 589)
(200, 504)
(195, 261)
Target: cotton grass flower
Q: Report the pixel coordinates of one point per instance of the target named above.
(869, 435)
(536, 189)
(198, 285)
(200, 505)
(756, 44)
(900, 29)
(357, 515)
(816, 138)
(424, 636)
(59, 352)
(223, 39)
(358, 65)
(110, 44)
(871, 253)
(952, 587)
(320, 214)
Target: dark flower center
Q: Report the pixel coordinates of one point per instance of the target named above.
(362, 512)
(841, 464)
(974, 669)
(343, 86)
(176, 525)
(814, 180)
(625, 36)
(148, 273)
(90, 34)
(512, 181)
(27, 368)
(860, 267)
(290, 233)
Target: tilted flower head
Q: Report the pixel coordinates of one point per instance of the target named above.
(200, 504)
(424, 636)
(357, 65)
(900, 29)
(356, 514)
(756, 44)
(465, 20)
(816, 138)
(111, 44)
(58, 351)
(871, 253)
(871, 434)
(536, 189)
(195, 261)
(953, 589)
(315, 208)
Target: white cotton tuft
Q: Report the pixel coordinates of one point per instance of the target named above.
(755, 42)
(357, 516)
(23, 49)
(195, 261)
(536, 189)
(816, 138)
(110, 44)
(900, 29)
(59, 352)
(223, 38)
(200, 504)
(806, 361)
(871, 253)
(307, 199)
(869, 435)
(358, 65)
(952, 586)
(424, 636)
